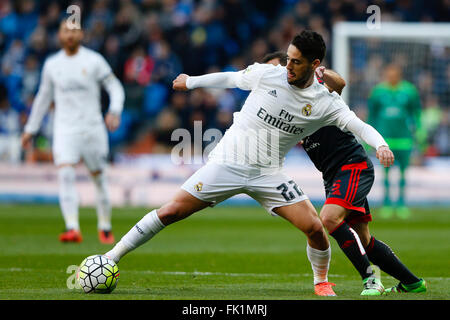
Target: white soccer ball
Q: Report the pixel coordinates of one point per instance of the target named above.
(98, 274)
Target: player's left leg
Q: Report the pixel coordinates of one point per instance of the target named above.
(95, 151)
(381, 255)
(303, 216)
(386, 211)
(280, 195)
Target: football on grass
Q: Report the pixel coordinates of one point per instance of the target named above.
(98, 274)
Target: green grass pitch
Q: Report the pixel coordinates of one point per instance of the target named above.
(220, 253)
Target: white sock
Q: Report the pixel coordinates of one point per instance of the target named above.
(320, 263)
(143, 231)
(103, 203)
(68, 197)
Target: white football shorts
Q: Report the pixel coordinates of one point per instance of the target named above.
(90, 146)
(215, 183)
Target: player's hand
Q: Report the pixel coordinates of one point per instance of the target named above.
(320, 71)
(179, 83)
(385, 155)
(26, 140)
(112, 121)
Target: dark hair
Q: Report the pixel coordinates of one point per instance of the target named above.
(310, 44)
(280, 55)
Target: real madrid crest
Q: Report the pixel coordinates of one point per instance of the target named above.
(306, 111)
(198, 186)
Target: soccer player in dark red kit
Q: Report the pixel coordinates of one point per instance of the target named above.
(348, 176)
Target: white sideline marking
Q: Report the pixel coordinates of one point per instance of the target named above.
(198, 273)
(227, 274)
(16, 269)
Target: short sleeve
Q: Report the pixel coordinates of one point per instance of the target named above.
(249, 78)
(103, 68)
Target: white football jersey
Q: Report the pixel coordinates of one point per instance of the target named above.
(74, 84)
(276, 116)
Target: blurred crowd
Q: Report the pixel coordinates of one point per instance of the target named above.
(149, 42)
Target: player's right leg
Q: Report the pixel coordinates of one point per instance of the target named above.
(346, 202)
(332, 217)
(182, 206)
(66, 156)
(381, 255)
(208, 186)
(68, 201)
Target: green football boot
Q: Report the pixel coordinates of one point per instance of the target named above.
(386, 212)
(372, 287)
(403, 212)
(417, 287)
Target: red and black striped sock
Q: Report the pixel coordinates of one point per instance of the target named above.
(382, 255)
(350, 243)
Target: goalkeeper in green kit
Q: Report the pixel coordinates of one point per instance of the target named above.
(394, 109)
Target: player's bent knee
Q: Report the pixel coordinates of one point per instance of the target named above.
(330, 219)
(315, 229)
(329, 222)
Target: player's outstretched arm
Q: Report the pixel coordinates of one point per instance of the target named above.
(222, 80)
(373, 138)
(246, 79)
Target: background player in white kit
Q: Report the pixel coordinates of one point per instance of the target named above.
(72, 78)
(287, 103)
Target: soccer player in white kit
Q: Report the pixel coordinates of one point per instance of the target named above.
(72, 78)
(285, 105)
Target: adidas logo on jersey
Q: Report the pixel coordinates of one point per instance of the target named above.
(273, 93)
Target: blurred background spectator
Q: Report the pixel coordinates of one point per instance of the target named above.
(149, 42)
(10, 130)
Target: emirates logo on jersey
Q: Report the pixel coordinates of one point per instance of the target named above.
(306, 111)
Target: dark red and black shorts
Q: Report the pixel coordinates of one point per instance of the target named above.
(349, 189)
